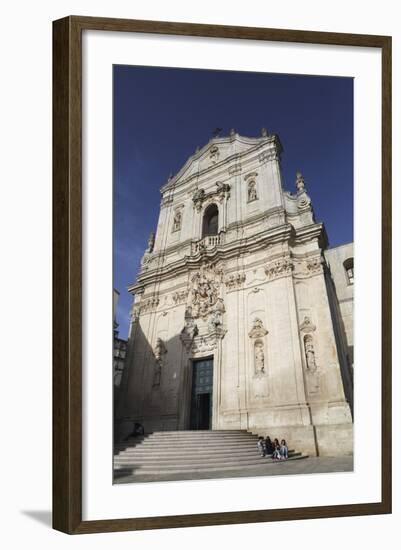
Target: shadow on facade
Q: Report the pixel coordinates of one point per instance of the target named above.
(345, 352)
(155, 389)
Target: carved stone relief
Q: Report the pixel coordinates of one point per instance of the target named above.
(315, 265)
(149, 304)
(204, 290)
(307, 325)
(223, 190)
(304, 268)
(281, 267)
(259, 359)
(180, 297)
(257, 330)
(200, 196)
(235, 281)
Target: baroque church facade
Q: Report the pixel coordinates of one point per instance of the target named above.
(242, 316)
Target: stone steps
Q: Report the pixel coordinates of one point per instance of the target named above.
(186, 452)
(193, 445)
(201, 453)
(260, 464)
(194, 460)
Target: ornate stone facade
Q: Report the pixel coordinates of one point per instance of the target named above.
(236, 274)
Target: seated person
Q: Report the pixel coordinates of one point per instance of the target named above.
(283, 449)
(269, 445)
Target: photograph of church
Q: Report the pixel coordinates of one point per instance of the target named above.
(241, 322)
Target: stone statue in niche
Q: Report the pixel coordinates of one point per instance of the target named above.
(310, 353)
(259, 357)
(159, 352)
(252, 194)
(177, 220)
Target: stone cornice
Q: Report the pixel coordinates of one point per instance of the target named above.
(222, 252)
(311, 231)
(232, 226)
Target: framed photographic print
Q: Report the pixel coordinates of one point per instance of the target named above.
(213, 188)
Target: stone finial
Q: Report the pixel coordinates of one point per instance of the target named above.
(170, 176)
(264, 132)
(232, 132)
(299, 182)
(197, 149)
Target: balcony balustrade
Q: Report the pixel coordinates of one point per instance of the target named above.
(207, 243)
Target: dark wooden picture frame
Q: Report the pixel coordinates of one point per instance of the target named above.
(67, 274)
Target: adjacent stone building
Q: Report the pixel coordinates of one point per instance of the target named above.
(119, 352)
(236, 322)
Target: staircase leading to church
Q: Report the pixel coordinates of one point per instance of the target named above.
(191, 452)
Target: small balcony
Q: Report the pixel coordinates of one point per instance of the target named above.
(206, 243)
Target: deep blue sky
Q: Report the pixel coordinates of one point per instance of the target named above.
(161, 115)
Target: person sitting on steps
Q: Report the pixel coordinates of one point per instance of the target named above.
(284, 449)
(269, 446)
(276, 451)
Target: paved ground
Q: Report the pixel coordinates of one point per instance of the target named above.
(310, 465)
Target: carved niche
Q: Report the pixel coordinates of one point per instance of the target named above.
(257, 334)
(177, 219)
(159, 353)
(252, 194)
(312, 374)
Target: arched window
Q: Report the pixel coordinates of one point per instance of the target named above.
(349, 270)
(210, 221)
